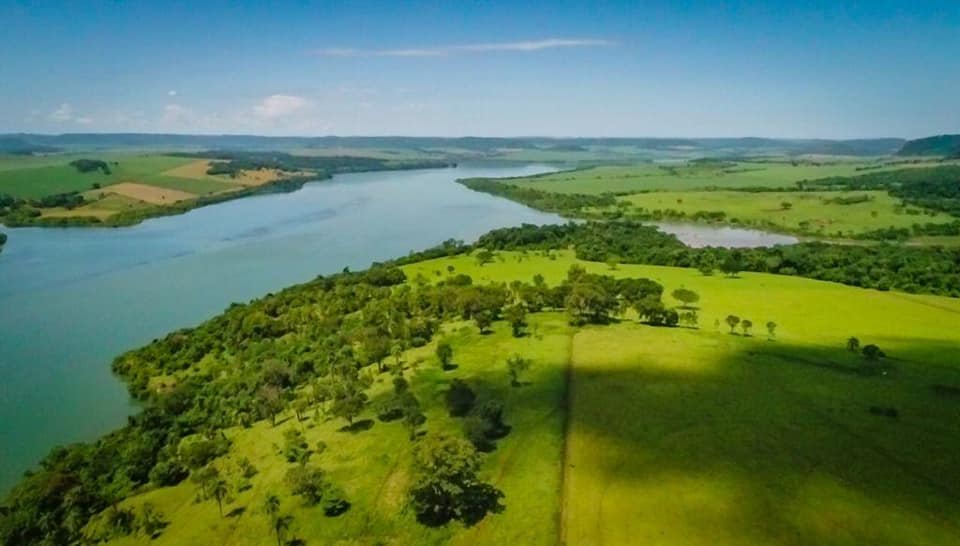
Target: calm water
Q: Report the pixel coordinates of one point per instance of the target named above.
(698, 236)
(72, 299)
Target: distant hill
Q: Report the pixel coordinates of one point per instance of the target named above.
(947, 145)
(18, 146)
(491, 147)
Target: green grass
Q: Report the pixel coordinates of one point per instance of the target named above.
(688, 177)
(810, 212)
(676, 435)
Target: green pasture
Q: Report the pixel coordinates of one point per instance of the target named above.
(681, 177)
(805, 212)
(674, 435)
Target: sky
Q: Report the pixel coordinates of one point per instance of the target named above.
(680, 68)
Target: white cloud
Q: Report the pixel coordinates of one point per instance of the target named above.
(443, 51)
(171, 93)
(175, 114)
(63, 113)
(280, 106)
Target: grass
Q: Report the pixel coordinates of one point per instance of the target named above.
(809, 212)
(674, 435)
(648, 177)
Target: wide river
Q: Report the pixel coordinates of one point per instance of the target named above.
(72, 299)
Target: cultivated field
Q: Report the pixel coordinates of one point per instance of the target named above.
(672, 436)
(134, 182)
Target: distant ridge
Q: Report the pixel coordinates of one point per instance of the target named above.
(946, 145)
(745, 146)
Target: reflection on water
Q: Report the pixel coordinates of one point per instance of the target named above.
(698, 236)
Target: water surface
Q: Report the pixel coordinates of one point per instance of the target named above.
(72, 299)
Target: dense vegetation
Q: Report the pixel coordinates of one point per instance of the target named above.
(935, 188)
(3, 240)
(316, 345)
(940, 145)
(884, 267)
(90, 165)
(232, 163)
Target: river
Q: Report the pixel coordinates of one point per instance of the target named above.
(72, 299)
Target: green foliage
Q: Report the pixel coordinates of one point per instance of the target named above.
(90, 165)
(447, 486)
(308, 482)
(460, 398)
(516, 366)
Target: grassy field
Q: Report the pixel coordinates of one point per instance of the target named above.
(682, 177)
(673, 435)
(809, 212)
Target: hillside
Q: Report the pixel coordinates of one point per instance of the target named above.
(940, 145)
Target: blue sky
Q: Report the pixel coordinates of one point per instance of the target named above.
(833, 69)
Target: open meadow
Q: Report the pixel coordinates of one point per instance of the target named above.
(632, 434)
(814, 212)
(694, 176)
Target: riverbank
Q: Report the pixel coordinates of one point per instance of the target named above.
(72, 299)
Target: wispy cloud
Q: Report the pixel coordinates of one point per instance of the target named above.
(445, 51)
(279, 106)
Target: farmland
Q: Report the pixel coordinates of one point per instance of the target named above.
(695, 176)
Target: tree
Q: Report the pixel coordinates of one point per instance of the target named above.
(349, 401)
(690, 318)
(397, 352)
(771, 329)
(786, 205)
(271, 505)
(282, 524)
(460, 398)
(686, 297)
(746, 325)
(732, 322)
(484, 257)
(853, 344)
(872, 353)
(219, 491)
(444, 354)
(516, 315)
(516, 365)
(270, 402)
(308, 482)
(731, 264)
(483, 319)
(706, 264)
(447, 486)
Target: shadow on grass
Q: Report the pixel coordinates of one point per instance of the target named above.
(236, 512)
(357, 426)
(776, 425)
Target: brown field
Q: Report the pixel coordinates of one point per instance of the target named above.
(197, 170)
(194, 170)
(149, 194)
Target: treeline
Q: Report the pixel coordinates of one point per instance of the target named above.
(932, 188)
(571, 203)
(90, 165)
(3, 240)
(931, 270)
(233, 162)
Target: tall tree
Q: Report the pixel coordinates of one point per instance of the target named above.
(732, 322)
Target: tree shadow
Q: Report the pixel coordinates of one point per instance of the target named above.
(236, 512)
(449, 367)
(769, 424)
(358, 426)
